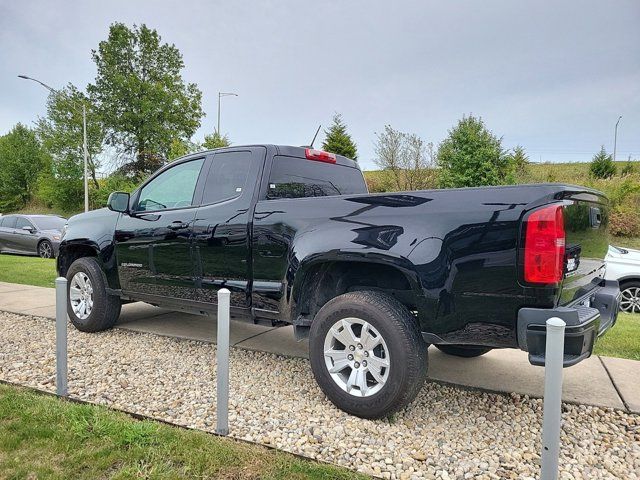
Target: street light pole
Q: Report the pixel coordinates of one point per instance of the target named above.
(615, 138)
(84, 137)
(220, 95)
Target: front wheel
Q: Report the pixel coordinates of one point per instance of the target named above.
(367, 354)
(89, 306)
(463, 350)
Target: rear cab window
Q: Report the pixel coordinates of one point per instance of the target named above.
(293, 177)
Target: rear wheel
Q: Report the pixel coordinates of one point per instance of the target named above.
(630, 301)
(367, 354)
(45, 249)
(90, 308)
(463, 350)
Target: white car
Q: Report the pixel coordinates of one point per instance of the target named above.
(623, 264)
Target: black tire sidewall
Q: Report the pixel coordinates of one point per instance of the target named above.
(97, 319)
(391, 393)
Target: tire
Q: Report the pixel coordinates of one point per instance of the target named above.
(45, 249)
(630, 301)
(104, 310)
(400, 346)
(463, 350)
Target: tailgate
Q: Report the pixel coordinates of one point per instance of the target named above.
(586, 215)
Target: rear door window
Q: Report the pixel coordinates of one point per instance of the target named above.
(298, 178)
(8, 222)
(227, 177)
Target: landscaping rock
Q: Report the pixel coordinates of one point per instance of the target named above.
(446, 433)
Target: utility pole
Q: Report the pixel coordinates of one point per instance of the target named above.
(85, 148)
(220, 95)
(615, 138)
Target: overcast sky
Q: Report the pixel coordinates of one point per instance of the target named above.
(551, 76)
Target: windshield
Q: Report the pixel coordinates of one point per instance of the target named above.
(49, 223)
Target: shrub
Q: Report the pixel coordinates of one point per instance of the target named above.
(472, 156)
(602, 165)
(624, 223)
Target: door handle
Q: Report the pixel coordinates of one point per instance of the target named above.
(177, 225)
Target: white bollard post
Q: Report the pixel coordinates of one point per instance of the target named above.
(552, 412)
(222, 389)
(61, 337)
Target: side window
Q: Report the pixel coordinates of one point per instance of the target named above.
(173, 188)
(227, 177)
(298, 177)
(9, 222)
(23, 222)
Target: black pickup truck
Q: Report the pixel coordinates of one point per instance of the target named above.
(370, 279)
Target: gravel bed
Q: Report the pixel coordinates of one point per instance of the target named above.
(446, 433)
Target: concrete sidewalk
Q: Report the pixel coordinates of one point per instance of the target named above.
(601, 381)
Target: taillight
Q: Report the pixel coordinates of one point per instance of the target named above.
(319, 155)
(544, 246)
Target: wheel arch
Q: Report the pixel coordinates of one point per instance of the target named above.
(322, 279)
(71, 251)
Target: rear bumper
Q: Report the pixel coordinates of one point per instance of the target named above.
(585, 322)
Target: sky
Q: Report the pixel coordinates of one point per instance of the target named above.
(550, 76)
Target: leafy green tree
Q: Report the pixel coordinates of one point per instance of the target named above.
(61, 132)
(21, 160)
(215, 140)
(602, 165)
(180, 148)
(141, 97)
(472, 156)
(338, 141)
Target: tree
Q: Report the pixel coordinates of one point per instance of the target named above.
(407, 157)
(519, 163)
(472, 156)
(141, 97)
(215, 140)
(602, 165)
(628, 168)
(21, 160)
(338, 141)
(61, 132)
(180, 148)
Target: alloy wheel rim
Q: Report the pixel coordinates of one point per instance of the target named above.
(81, 295)
(630, 301)
(45, 250)
(357, 357)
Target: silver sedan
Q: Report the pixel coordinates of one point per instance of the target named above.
(31, 234)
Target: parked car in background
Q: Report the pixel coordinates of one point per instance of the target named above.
(31, 234)
(623, 264)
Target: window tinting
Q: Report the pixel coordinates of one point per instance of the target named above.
(9, 222)
(23, 222)
(227, 177)
(298, 177)
(173, 188)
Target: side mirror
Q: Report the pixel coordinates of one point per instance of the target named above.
(118, 202)
(28, 229)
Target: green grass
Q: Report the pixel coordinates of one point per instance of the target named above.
(27, 270)
(45, 437)
(623, 340)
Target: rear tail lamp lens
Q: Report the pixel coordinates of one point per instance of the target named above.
(320, 156)
(544, 246)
